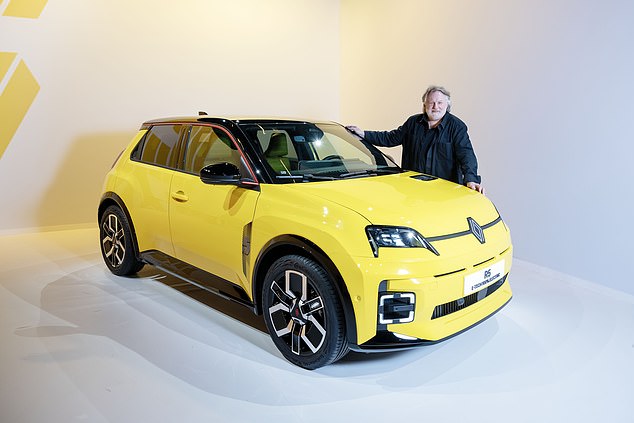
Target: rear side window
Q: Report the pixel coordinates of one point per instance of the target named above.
(159, 145)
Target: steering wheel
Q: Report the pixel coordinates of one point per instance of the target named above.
(333, 157)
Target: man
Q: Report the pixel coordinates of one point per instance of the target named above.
(434, 142)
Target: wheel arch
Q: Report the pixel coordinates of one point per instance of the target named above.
(287, 245)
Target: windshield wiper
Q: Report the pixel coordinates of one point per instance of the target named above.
(370, 172)
(358, 173)
(313, 177)
(306, 177)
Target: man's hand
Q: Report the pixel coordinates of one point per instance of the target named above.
(476, 187)
(356, 130)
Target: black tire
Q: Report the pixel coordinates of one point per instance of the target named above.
(303, 312)
(117, 245)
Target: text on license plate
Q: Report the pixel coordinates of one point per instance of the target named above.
(483, 278)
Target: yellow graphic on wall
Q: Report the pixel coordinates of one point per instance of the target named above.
(25, 8)
(20, 87)
(16, 98)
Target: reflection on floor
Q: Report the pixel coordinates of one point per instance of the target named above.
(79, 344)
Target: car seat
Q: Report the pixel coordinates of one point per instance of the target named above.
(276, 153)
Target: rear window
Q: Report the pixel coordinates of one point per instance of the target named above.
(159, 145)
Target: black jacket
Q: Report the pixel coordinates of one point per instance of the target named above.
(444, 151)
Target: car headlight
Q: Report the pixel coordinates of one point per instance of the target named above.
(396, 237)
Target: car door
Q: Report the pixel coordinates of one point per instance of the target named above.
(207, 221)
(145, 186)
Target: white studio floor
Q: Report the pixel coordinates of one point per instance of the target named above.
(80, 344)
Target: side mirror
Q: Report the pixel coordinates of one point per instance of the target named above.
(221, 173)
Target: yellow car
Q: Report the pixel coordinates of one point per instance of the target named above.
(303, 222)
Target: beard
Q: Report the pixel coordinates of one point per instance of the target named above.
(435, 115)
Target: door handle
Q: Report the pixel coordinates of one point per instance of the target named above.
(180, 196)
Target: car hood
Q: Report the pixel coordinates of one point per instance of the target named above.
(434, 207)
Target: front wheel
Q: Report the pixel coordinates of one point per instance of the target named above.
(303, 312)
(117, 245)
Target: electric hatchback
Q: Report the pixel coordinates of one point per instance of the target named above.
(301, 221)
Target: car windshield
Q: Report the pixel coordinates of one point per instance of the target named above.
(304, 152)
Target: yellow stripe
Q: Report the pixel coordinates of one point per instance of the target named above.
(15, 101)
(25, 8)
(5, 62)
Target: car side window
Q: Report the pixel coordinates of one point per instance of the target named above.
(159, 146)
(209, 145)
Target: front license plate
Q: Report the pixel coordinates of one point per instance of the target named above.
(476, 281)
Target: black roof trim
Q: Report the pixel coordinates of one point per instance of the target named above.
(235, 120)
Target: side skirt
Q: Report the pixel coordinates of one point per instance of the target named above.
(198, 277)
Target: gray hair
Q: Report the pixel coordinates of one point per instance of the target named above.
(437, 88)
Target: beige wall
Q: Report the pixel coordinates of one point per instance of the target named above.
(546, 89)
(104, 67)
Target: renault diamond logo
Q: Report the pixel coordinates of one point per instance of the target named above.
(476, 230)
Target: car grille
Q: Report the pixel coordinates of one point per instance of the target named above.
(461, 303)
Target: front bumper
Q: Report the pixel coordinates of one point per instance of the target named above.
(386, 340)
(442, 307)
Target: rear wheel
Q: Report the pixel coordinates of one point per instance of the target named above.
(117, 245)
(303, 312)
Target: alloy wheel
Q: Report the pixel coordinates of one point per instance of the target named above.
(113, 240)
(297, 313)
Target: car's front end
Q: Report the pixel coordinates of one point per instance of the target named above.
(437, 261)
(423, 299)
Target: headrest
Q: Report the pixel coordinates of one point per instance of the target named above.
(278, 146)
